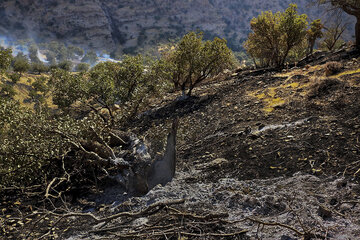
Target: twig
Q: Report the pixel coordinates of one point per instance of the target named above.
(277, 224)
(118, 215)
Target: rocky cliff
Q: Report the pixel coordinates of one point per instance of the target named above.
(126, 25)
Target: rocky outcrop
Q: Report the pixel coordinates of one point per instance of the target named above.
(126, 25)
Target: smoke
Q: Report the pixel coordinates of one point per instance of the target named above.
(17, 48)
(7, 42)
(42, 57)
(106, 58)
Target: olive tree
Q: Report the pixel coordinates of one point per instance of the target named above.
(275, 35)
(195, 60)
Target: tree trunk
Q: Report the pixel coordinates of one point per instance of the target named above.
(357, 32)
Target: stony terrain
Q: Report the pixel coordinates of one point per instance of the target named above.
(128, 25)
(260, 156)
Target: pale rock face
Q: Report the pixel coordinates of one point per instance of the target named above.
(124, 24)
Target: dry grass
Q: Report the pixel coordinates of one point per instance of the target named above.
(332, 68)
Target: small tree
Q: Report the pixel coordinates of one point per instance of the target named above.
(194, 60)
(82, 67)
(39, 67)
(274, 35)
(127, 84)
(66, 87)
(314, 33)
(65, 65)
(21, 64)
(332, 37)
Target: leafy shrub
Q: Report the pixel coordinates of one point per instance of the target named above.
(82, 67)
(39, 67)
(5, 59)
(14, 77)
(21, 64)
(7, 91)
(195, 60)
(36, 147)
(65, 65)
(275, 35)
(127, 84)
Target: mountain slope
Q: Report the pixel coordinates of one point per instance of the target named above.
(126, 25)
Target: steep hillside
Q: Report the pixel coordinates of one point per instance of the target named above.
(271, 155)
(127, 25)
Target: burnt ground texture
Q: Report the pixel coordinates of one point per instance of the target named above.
(269, 156)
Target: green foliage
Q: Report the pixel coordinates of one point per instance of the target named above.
(90, 57)
(65, 65)
(275, 35)
(39, 67)
(194, 60)
(127, 84)
(21, 64)
(33, 145)
(5, 59)
(314, 33)
(67, 88)
(82, 67)
(7, 91)
(14, 77)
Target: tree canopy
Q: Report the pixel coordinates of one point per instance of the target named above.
(275, 35)
(195, 60)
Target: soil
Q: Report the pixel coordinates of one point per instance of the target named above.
(274, 152)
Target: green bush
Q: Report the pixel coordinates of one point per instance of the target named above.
(65, 65)
(82, 67)
(275, 35)
(5, 59)
(195, 60)
(39, 68)
(14, 77)
(21, 64)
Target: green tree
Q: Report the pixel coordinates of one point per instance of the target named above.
(314, 33)
(65, 65)
(21, 64)
(127, 84)
(195, 60)
(275, 35)
(351, 7)
(67, 88)
(82, 67)
(39, 67)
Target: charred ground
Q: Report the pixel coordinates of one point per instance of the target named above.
(280, 145)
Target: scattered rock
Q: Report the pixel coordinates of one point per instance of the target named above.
(324, 212)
